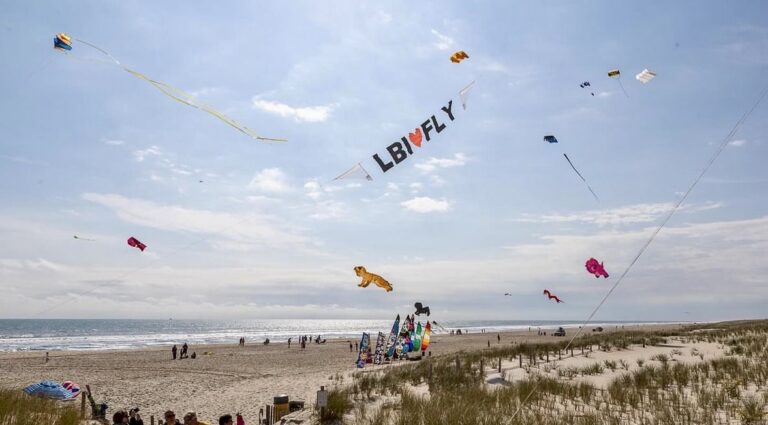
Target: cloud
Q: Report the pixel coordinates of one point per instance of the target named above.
(272, 180)
(305, 114)
(22, 160)
(432, 164)
(443, 41)
(631, 214)
(737, 143)
(424, 204)
(140, 155)
(114, 142)
(254, 229)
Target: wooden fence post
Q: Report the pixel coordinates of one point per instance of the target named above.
(520, 355)
(151, 419)
(82, 406)
(499, 364)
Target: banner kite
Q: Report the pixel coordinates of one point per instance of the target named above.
(64, 43)
(425, 338)
(416, 338)
(378, 355)
(392, 340)
(615, 73)
(408, 144)
(362, 354)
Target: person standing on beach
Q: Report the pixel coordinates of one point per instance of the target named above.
(135, 417)
(184, 351)
(350, 346)
(46, 357)
(191, 419)
(289, 342)
(173, 351)
(356, 349)
(498, 338)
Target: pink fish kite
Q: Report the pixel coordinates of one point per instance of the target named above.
(136, 243)
(596, 268)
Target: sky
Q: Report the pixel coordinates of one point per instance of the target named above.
(240, 228)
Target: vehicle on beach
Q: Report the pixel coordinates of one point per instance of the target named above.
(559, 332)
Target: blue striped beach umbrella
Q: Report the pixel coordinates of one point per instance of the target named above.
(49, 389)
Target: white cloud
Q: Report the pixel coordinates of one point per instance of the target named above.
(255, 229)
(140, 155)
(737, 143)
(392, 186)
(424, 204)
(114, 142)
(271, 180)
(443, 41)
(631, 214)
(305, 114)
(433, 163)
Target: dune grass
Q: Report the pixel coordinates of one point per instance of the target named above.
(731, 388)
(17, 408)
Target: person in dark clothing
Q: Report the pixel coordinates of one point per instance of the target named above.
(356, 346)
(120, 418)
(170, 418)
(135, 417)
(225, 420)
(350, 347)
(289, 342)
(498, 338)
(184, 350)
(173, 351)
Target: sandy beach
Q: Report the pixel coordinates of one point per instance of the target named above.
(229, 379)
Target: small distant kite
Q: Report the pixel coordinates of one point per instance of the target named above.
(596, 268)
(63, 42)
(368, 278)
(136, 243)
(464, 94)
(551, 139)
(83, 239)
(586, 84)
(458, 56)
(356, 172)
(645, 76)
(507, 294)
(420, 309)
(552, 297)
(615, 73)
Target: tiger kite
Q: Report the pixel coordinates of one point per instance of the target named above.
(368, 278)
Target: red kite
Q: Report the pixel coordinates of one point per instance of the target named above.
(552, 297)
(136, 243)
(596, 268)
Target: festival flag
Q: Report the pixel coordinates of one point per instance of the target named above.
(362, 355)
(392, 340)
(378, 355)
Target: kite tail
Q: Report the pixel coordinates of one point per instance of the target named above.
(622, 87)
(182, 96)
(582, 177)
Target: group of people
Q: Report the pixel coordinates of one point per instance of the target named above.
(183, 353)
(121, 417)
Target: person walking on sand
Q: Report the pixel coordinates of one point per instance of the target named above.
(350, 346)
(289, 343)
(46, 357)
(173, 351)
(498, 338)
(184, 350)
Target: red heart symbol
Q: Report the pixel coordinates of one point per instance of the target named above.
(415, 137)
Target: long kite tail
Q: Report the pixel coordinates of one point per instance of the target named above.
(183, 97)
(580, 176)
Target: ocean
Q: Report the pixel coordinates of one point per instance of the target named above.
(97, 334)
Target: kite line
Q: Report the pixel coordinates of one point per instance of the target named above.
(674, 209)
(582, 177)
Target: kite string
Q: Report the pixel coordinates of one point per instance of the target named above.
(622, 86)
(677, 205)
